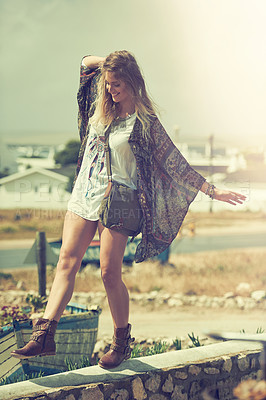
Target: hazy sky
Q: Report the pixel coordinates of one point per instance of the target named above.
(204, 62)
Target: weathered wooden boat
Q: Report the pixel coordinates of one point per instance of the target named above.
(75, 339)
(92, 254)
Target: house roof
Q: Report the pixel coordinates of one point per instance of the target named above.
(31, 171)
(67, 170)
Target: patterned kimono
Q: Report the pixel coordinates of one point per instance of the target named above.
(166, 183)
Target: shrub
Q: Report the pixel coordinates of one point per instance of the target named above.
(8, 313)
(37, 302)
(8, 229)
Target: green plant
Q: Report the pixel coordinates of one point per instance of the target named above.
(156, 289)
(177, 344)
(69, 154)
(22, 377)
(195, 340)
(84, 362)
(8, 313)
(3, 275)
(221, 268)
(242, 331)
(37, 302)
(157, 348)
(4, 172)
(137, 351)
(8, 229)
(260, 330)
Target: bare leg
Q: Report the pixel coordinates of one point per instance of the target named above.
(112, 250)
(77, 235)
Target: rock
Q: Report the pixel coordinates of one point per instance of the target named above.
(225, 388)
(168, 386)
(181, 375)
(157, 397)
(243, 289)
(250, 303)
(229, 295)
(195, 391)
(211, 371)
(178, 393)
(174, 302)
(152, 295)
(258, 295)
(253, 363)
(70, 397)
(243, 362)
(138, 389)
(229, 303)
(91, 393)
(165, 297)
(120, 394)
(240, 302)
(153, 383)
(194, 369)
(227, 365)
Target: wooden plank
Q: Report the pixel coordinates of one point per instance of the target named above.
(6, 352)
(9, 366)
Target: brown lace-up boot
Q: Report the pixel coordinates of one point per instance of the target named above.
(41, 342)
(120, 348)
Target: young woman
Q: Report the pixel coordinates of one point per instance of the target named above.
(112, 93)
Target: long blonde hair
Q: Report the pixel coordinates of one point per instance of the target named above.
(124, 66)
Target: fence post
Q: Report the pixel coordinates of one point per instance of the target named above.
(41, 261)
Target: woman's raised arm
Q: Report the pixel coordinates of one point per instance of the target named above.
(93, 61)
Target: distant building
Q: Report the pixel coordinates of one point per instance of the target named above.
(8, 161)
(223, 160)
(30, 156)
(34, 188)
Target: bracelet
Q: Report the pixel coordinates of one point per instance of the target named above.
(210, 191)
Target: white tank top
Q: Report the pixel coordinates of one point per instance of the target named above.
(92, 179)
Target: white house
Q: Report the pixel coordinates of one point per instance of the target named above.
(34, 188)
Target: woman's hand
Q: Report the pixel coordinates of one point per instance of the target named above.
(228, 196)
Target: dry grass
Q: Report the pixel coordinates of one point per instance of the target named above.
(24, 223)
(223, 218)
(211, 273)
(208, 273)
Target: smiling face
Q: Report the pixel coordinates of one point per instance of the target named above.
(117, 88)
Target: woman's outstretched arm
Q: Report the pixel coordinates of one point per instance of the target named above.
(224, 195)
(93, 61)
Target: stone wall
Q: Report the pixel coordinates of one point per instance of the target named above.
(157, 299)
(210, 372)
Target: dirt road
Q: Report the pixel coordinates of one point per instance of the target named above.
(178, 323)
